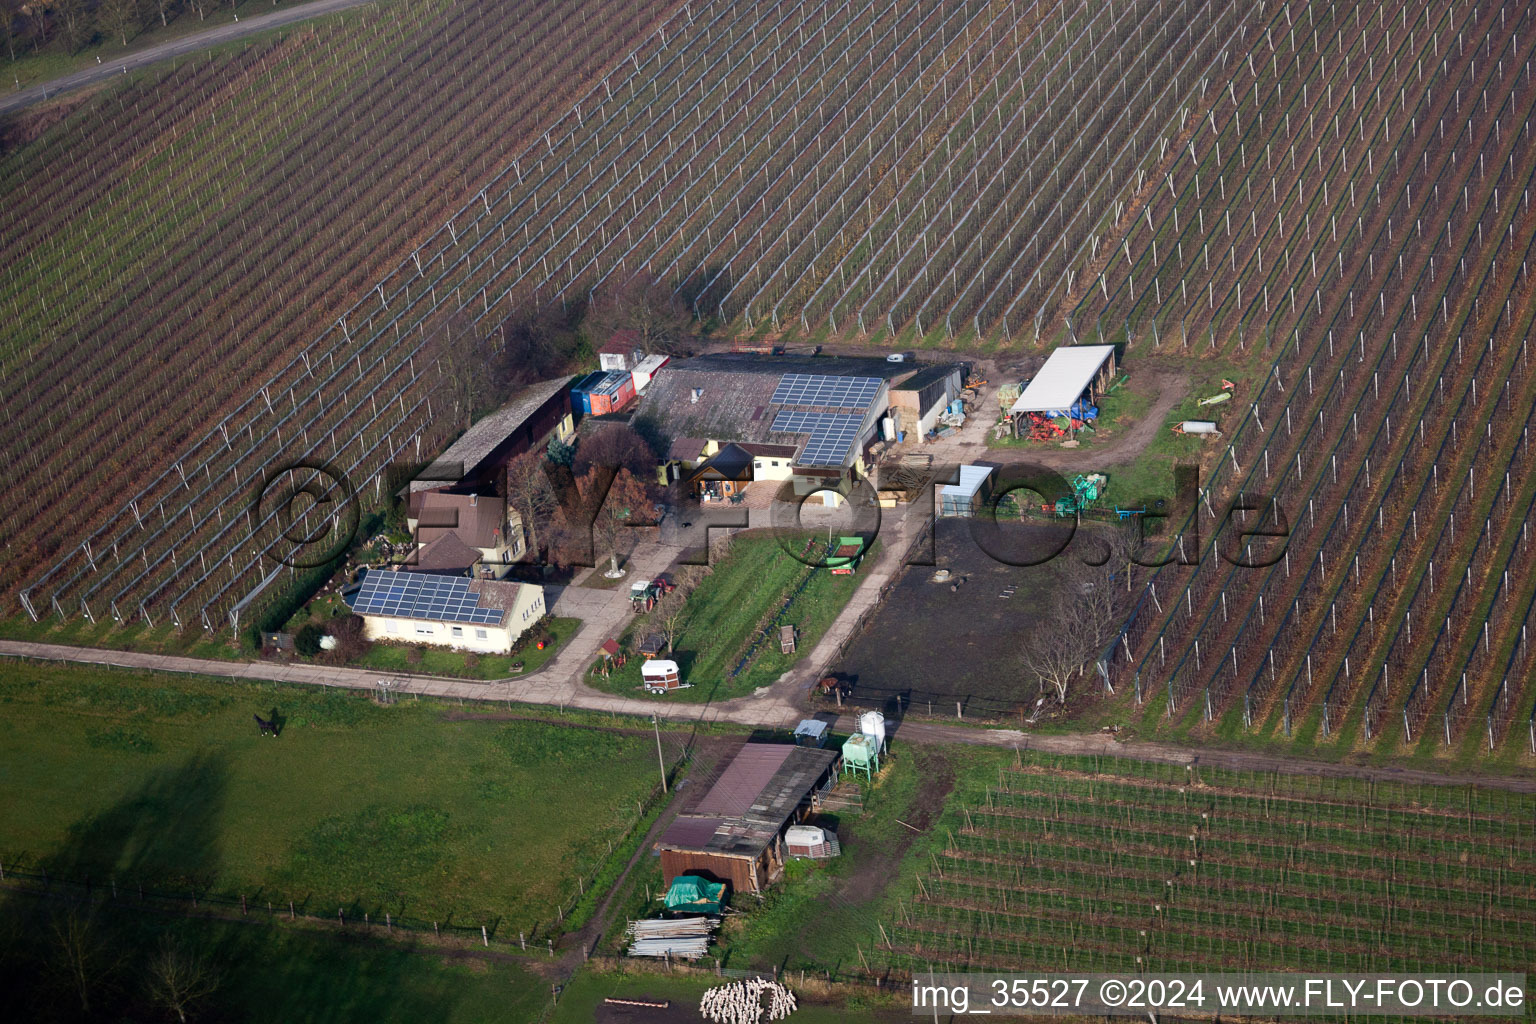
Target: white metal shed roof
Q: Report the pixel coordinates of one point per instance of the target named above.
(971, 479)
(1063, 378)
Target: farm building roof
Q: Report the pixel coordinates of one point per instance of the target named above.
(434, 598)
(686, 449)
(479, 520)
(971, 479)
(926, 376)
(769, 451)
(1063, 378)
(730, 396)
(447, 553)
(479, 441)
(753, 797)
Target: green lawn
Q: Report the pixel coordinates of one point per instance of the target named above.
(728, 645)
(264, 972)
(409, 809)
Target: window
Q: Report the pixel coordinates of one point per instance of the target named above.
(458, 630)
(480, 634)
(775, 463)
(391, 626)
(757, 464)
(424, 630)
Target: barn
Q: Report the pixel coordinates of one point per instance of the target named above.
(477, 460)
(735, 832)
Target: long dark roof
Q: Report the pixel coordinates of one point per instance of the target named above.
(750, 801)
(476, 444)
(927, 375)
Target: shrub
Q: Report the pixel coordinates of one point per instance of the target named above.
(307, 640)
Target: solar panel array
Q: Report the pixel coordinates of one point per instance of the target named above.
(414, 595)
(832, 434)
(830, 392)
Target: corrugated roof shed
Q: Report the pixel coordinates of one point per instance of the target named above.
(1063, 378)
(749, 803)
(744, 778)
(479, 441)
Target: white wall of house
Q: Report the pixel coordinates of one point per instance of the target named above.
(772, 467)
(528, 609)
(463, 636)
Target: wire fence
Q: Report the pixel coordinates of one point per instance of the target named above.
(261, 903)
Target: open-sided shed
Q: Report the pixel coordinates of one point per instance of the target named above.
(1072, 372)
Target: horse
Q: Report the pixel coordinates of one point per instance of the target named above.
(268, 728)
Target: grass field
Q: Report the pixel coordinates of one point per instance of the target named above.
(264, 974)
(728, 645)
(407, 809)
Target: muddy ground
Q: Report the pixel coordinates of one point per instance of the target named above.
(941, 643)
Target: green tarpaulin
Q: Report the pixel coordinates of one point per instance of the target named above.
(690, 892)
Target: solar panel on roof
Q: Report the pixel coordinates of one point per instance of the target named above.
(825, 390)
(418, 596)
(831, 434)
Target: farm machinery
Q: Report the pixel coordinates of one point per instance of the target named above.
(1086, 489)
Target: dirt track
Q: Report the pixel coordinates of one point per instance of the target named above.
(173, 48)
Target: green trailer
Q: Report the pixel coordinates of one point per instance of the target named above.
(844, 555)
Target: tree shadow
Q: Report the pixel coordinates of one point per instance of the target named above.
(69, 952)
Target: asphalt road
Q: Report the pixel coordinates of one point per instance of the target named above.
(174, 48)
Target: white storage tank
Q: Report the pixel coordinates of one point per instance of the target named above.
(872, 724)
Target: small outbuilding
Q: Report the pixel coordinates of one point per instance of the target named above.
(970, 495)
(735, 833)
(811, 732)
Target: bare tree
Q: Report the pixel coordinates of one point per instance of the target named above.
(463, 359)
(669, 617)
(74, 18)
(118, 16)
(12, 19)
(177, 978)
(164, 8)
(529, 493)
(644, 309)
(80, 952)
(1088, 609)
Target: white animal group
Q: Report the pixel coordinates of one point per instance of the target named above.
(741, 1002)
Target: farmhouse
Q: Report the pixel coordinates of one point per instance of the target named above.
(484, 616)
(811, 421)
(735, 833)
(458, 532)
(477, 459)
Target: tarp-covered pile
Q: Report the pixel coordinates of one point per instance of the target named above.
(692, 894)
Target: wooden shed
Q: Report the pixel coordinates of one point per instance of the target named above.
(735, 832)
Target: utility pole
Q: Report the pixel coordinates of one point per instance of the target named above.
(660, 763)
